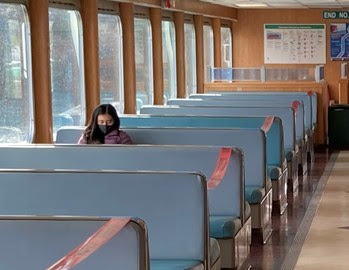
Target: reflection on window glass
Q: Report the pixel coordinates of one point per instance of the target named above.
(169, 60)
(144, 63)
(190, 59)
(110, 60)
(67, 68)
(208, 51)
(226, 41)
(16, 100)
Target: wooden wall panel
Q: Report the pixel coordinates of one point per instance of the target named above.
(180, 54)
(216, 26)
(156, 20)
(248, 39)
(39, 23)
(199, 38)
(89, 16)
(343, 91)
(127, 20)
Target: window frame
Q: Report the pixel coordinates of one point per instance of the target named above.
(72, 5)
(121, 72)
(27, 62)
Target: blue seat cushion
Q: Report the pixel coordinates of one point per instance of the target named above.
(223, 227)
(274, 172)
(289, 155)
(254, 194)
(175, 265)
(215, 251)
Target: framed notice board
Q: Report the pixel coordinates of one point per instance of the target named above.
(294, 43)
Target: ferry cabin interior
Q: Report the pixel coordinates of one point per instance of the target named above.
(238, 114)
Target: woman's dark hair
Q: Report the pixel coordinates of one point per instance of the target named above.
(92, 133)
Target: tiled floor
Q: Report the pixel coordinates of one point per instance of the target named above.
(272, 255)
(327, 242)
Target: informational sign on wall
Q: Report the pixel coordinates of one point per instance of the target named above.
(339, 41)
(294, 44)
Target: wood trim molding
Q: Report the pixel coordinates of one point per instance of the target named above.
(180, 54)
(89, 13)
(216, 26)
(156, 25)
(39, 23)
(199, 37)
(127, 20)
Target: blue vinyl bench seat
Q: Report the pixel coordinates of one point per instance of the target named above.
(37, 242)
(183, 264)
(254, 194)
(274, 172)
(176, 265)
(65, 192)
(222, 227)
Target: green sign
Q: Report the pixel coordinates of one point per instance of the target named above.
(336, 15)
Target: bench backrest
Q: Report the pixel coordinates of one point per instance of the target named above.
(173, 205)
(275, 145)
(287, 116)
(274, 96)
(38, 242)
(299, 109)
(225, 199)
(254, 154)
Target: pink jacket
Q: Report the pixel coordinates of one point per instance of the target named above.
(114, 137)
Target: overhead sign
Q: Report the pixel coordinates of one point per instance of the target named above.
(336, 14)
(294, 44)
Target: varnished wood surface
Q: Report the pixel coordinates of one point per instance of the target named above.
(126, 15)
(39, 22)
(156, 20)
(216, 26)
(89, 13)
(199, 38)
(180, 54)
(248, 39)
(343, 91)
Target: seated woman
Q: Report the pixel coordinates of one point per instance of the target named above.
(103, 128)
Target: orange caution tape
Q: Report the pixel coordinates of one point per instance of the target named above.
(93, 243)
(221, 167)
(267, 124)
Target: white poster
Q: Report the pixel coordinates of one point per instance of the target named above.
(294, 44)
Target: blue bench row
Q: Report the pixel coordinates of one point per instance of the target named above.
(178, 229)
(39, 242)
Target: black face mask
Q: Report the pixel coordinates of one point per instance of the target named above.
(105, 128)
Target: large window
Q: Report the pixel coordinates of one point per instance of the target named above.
(67, 68)
(190, 59)
(110, 60)
(144, 63)
(16, 99)
(169, 60)
(208, 51)
(226, 41)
